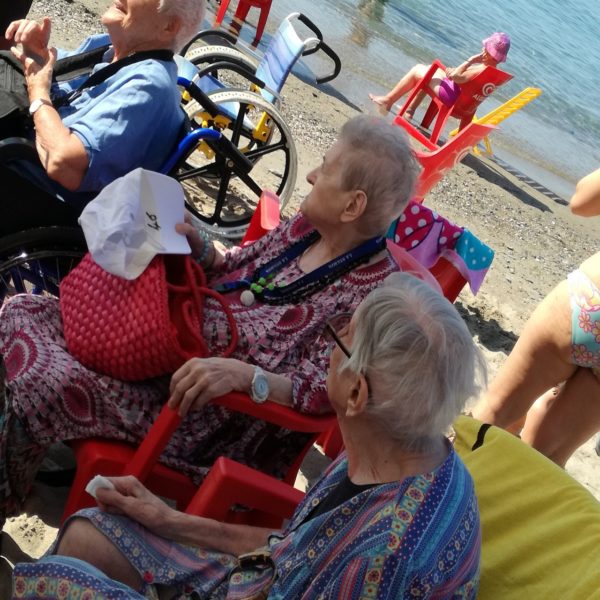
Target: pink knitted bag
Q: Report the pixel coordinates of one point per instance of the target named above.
(135, 330)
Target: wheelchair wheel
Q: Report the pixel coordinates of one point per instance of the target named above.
(205, 55)
(35, 261)
(214, 193)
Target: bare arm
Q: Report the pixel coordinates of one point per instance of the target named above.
(132, 499)
(467, 70)
(61, 152)
(586, 199)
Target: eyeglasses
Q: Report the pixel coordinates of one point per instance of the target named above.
(334, 328)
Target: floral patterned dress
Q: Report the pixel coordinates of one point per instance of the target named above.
(51, 397)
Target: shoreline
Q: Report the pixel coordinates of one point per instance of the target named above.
(536, 239)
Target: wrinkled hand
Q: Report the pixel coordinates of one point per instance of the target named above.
(34, 36)
(38, 75)
(200, 380)
(476, 58)
(132, 499)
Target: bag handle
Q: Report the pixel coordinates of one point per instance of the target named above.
(196, 285)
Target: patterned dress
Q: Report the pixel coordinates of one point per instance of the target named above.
(51, 397)
(417, 538)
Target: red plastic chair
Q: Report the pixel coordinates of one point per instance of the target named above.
(97, 456)
(441, 159)
(241, 13)
(449, 277)
(265, 218)
(472, 94)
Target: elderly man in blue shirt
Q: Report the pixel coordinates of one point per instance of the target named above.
(85, 139)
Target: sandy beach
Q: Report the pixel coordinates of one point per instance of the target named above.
(536, 240)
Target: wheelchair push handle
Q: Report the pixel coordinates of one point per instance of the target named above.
(337, 63)
(306, 21)
(321, 45)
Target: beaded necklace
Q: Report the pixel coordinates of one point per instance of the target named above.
(260, 285)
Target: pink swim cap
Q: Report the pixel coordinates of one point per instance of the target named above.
(497, 46)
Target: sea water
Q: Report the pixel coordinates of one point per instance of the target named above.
(555, 46)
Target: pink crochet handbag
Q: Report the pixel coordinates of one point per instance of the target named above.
(135, 330)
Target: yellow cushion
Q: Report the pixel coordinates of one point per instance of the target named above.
(540, 527)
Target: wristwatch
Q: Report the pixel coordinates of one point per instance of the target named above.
(259, 390)
(37, 104)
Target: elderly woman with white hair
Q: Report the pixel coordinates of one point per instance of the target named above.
(89, 131)
(395, 516)
(324, 260)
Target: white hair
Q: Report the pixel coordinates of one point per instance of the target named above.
(380, 162)
(189, 12)
(419, 358)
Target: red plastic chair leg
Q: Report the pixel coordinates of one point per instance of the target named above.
(262, 21)
(221, 13)
(430, 114)
(241, 12)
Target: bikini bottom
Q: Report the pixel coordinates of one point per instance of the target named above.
(584, 298)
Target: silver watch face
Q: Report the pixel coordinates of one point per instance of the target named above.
(260, 387)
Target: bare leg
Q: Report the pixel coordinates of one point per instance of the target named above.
(558, 424)
(410, 111)
(82, 540)
(407, 83)
(539, 361)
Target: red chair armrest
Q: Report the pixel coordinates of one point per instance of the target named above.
(168, 420)
(154, 443)
(284, 416)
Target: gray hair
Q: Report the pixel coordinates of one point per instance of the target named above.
(419, 357)
(189, 12)
(381, 163)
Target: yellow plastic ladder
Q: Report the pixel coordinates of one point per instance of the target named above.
(504, 111)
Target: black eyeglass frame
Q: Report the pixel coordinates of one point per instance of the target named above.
(334, 334)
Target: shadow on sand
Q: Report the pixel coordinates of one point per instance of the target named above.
(490, 333)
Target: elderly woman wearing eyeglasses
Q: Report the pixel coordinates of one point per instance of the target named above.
(324, 260)
(395, 516)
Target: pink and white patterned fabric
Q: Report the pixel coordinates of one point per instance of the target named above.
(426, 235)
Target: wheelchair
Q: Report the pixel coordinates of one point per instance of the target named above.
(222, 71)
